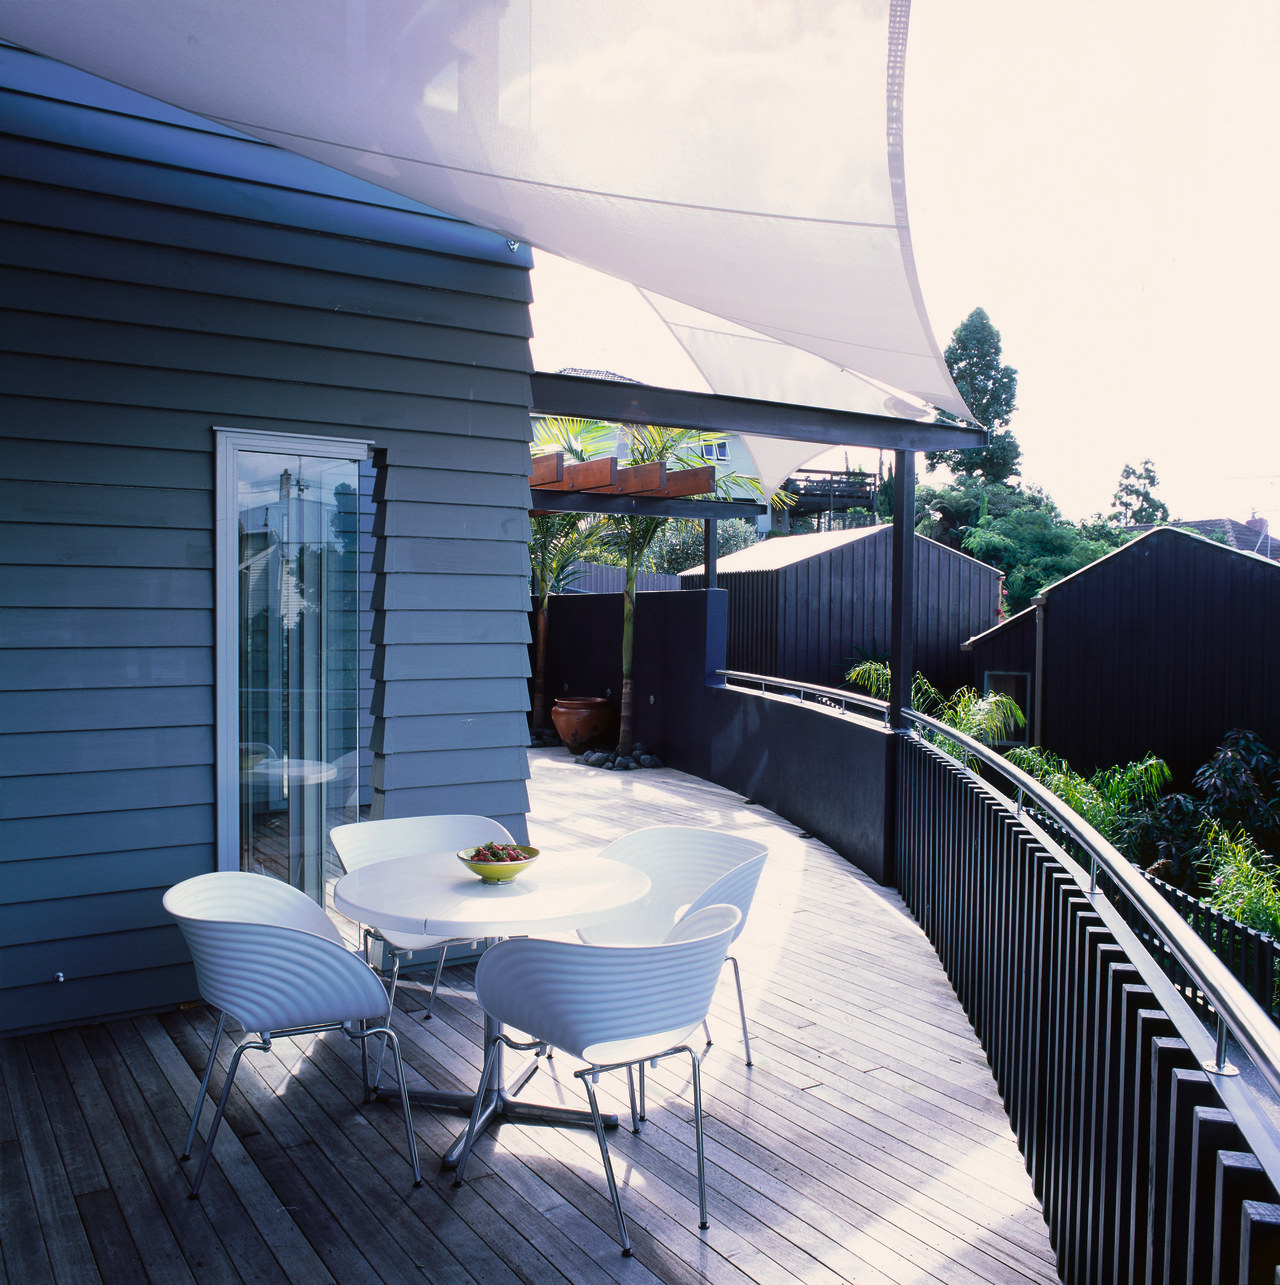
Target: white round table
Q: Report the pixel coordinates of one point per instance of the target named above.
(436, 895)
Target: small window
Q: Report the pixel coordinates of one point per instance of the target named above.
(715, 451)
(1017, 686)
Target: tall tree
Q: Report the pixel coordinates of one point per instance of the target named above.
(989, 389)
(1134, 503)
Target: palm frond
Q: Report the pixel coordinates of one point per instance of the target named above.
(580, 439)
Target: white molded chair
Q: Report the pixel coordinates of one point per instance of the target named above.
(364, 842)
(611, 1006)
(270, 958)
(689, 868)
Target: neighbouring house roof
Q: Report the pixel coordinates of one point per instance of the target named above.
(1235, 535)
(786, 550)
(597, 577)
(596, 374)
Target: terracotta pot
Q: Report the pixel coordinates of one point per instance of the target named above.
(584, 721)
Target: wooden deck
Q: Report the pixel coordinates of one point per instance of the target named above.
(867, 1143)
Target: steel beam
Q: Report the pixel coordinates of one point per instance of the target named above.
(627, 403)
(640, 505)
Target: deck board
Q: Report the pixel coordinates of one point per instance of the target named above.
(867, 1143)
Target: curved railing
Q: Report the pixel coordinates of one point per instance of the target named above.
(1237, 1012)
(1151, 1138)
(831, 697)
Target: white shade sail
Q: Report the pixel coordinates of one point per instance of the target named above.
(742, 160)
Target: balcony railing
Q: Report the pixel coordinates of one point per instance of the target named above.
(1253, 958)
(1150, 1135)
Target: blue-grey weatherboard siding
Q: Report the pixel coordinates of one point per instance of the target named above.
(161, 275)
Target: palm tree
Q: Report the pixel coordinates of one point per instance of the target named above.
(627, 540)
(559, 541)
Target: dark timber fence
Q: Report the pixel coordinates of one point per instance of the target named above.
(1150, 1135)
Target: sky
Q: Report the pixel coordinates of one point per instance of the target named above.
(1103, 179)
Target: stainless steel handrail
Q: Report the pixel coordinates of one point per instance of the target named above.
(846, 700)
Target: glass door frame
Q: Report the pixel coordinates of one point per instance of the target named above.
(230, 442)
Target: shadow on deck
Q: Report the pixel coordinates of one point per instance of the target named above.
(867, 1143)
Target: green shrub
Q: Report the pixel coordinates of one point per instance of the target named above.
(1240, 879)
(984, 718)
(1108, 799)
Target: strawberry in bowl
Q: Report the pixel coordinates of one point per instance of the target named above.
(498, 862)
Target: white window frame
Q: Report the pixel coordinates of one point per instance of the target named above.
(226, 619)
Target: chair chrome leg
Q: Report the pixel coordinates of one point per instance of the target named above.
(585, 1077)
(701, 1147)
(391, 999)
(742, 1008)
(706, 1026)
(390, 1037)
(631, 1090)
(204, 1086)
(261, 1045)
(473, 1124)
(435, 983)
(640, 1067)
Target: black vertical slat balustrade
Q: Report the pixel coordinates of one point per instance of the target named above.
(1142, 1173)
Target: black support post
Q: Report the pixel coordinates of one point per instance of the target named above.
(710, 538)
(901, 634)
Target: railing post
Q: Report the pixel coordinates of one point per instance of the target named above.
(901, 640)
(1219, 1064)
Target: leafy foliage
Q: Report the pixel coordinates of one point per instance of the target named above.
(884, 496)
(1164, 838)
(1240, 786)
(983, 718)
(1134, 502)
(1238, 790)
(1034, 547)
(626, 540)
(1214, 842)
(989, 389)
(1019, 531)
(1242, 879)
(558, 541)
(679, 544)
(1105, 799)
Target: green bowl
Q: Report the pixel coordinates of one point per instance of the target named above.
(498, 871)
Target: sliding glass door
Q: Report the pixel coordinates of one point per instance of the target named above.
(291, 638)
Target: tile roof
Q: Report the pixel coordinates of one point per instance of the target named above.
(1235, 535)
